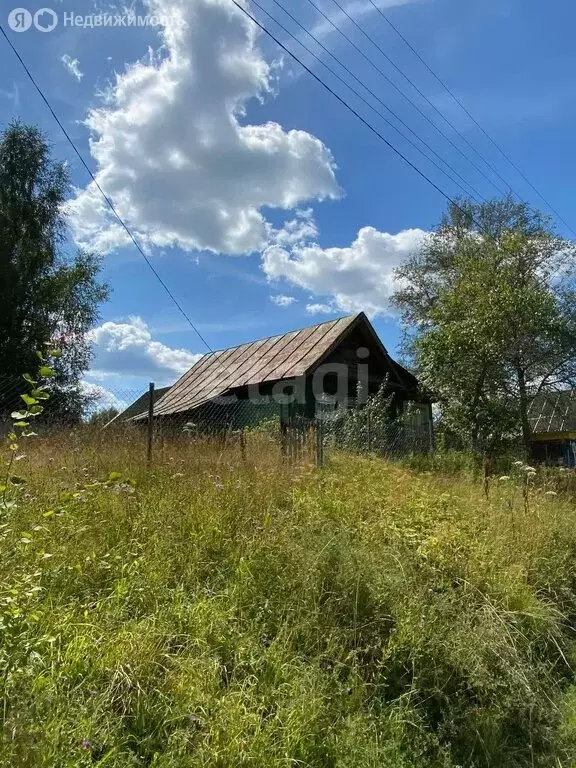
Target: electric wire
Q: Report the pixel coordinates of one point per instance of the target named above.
(469, 186)
(399, 90)
(106, 198)
(480, 127)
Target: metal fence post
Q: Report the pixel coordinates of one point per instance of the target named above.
(368, 432)
(432, 437)
(150, 423)
(319, 439)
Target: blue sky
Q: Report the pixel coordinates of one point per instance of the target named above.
(263, 203)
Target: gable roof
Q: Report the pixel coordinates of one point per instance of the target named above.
(553, 412)
(278, 357)
(138, 407)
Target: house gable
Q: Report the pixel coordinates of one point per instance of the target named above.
(279, 358)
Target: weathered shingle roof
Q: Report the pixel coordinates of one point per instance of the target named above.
(553, 412)
(278, 357)
(139, 406)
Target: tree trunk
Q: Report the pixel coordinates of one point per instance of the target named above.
(475, 432)
(523, 404)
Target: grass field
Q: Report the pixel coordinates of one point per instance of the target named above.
(216, 611)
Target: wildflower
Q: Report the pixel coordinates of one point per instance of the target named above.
(86, 744)
(176, 475)
(504, 477)
(529, 469)
(218, 483)
(518, 463)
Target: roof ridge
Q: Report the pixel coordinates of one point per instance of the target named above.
(278, 335)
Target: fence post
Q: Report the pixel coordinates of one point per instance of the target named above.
(432, 446)
(319, 438)
(150, 423)
(368, 432)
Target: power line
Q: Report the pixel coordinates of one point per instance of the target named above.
(345, 104)
(370, 127)
(421, 93)
(377, 112)
(398, 89)
(463, 106)
(106, 198)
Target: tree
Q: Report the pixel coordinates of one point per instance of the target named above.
(103, 417)
(489, 309)
(45, 294)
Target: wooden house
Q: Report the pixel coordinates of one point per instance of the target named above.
(299, 371)
(553, 422)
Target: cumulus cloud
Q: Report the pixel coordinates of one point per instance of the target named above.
(174, 153)
(72, 66)
(128, 349)
(319, 309)
(283, 301)
(102, 398)
(357, 277)
(297, 230)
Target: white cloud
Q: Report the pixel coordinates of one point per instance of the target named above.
(173, 153)
(283, 301)
(72, 66)
(127, 349)
(358, 277)
(102, 398)
(297, 230)
(357, 9)
(319, 309)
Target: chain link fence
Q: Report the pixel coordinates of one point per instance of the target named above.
(295, 432)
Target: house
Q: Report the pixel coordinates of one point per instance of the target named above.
(552, 418)
(296, 372)
(137, 408)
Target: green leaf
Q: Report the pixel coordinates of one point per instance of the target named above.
(114, 476)
(29, 400)
(12, 436)
(29, 378)
(46, 372)
(19, 415)
(55, 353)
(22, 424)
(29, 434)
(40, 394)
(39, 355)
(35, 409)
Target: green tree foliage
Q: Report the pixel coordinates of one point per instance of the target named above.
(489, 309)
(102, 417)
(45, 294)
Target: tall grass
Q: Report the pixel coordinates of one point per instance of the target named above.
(226, 610)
